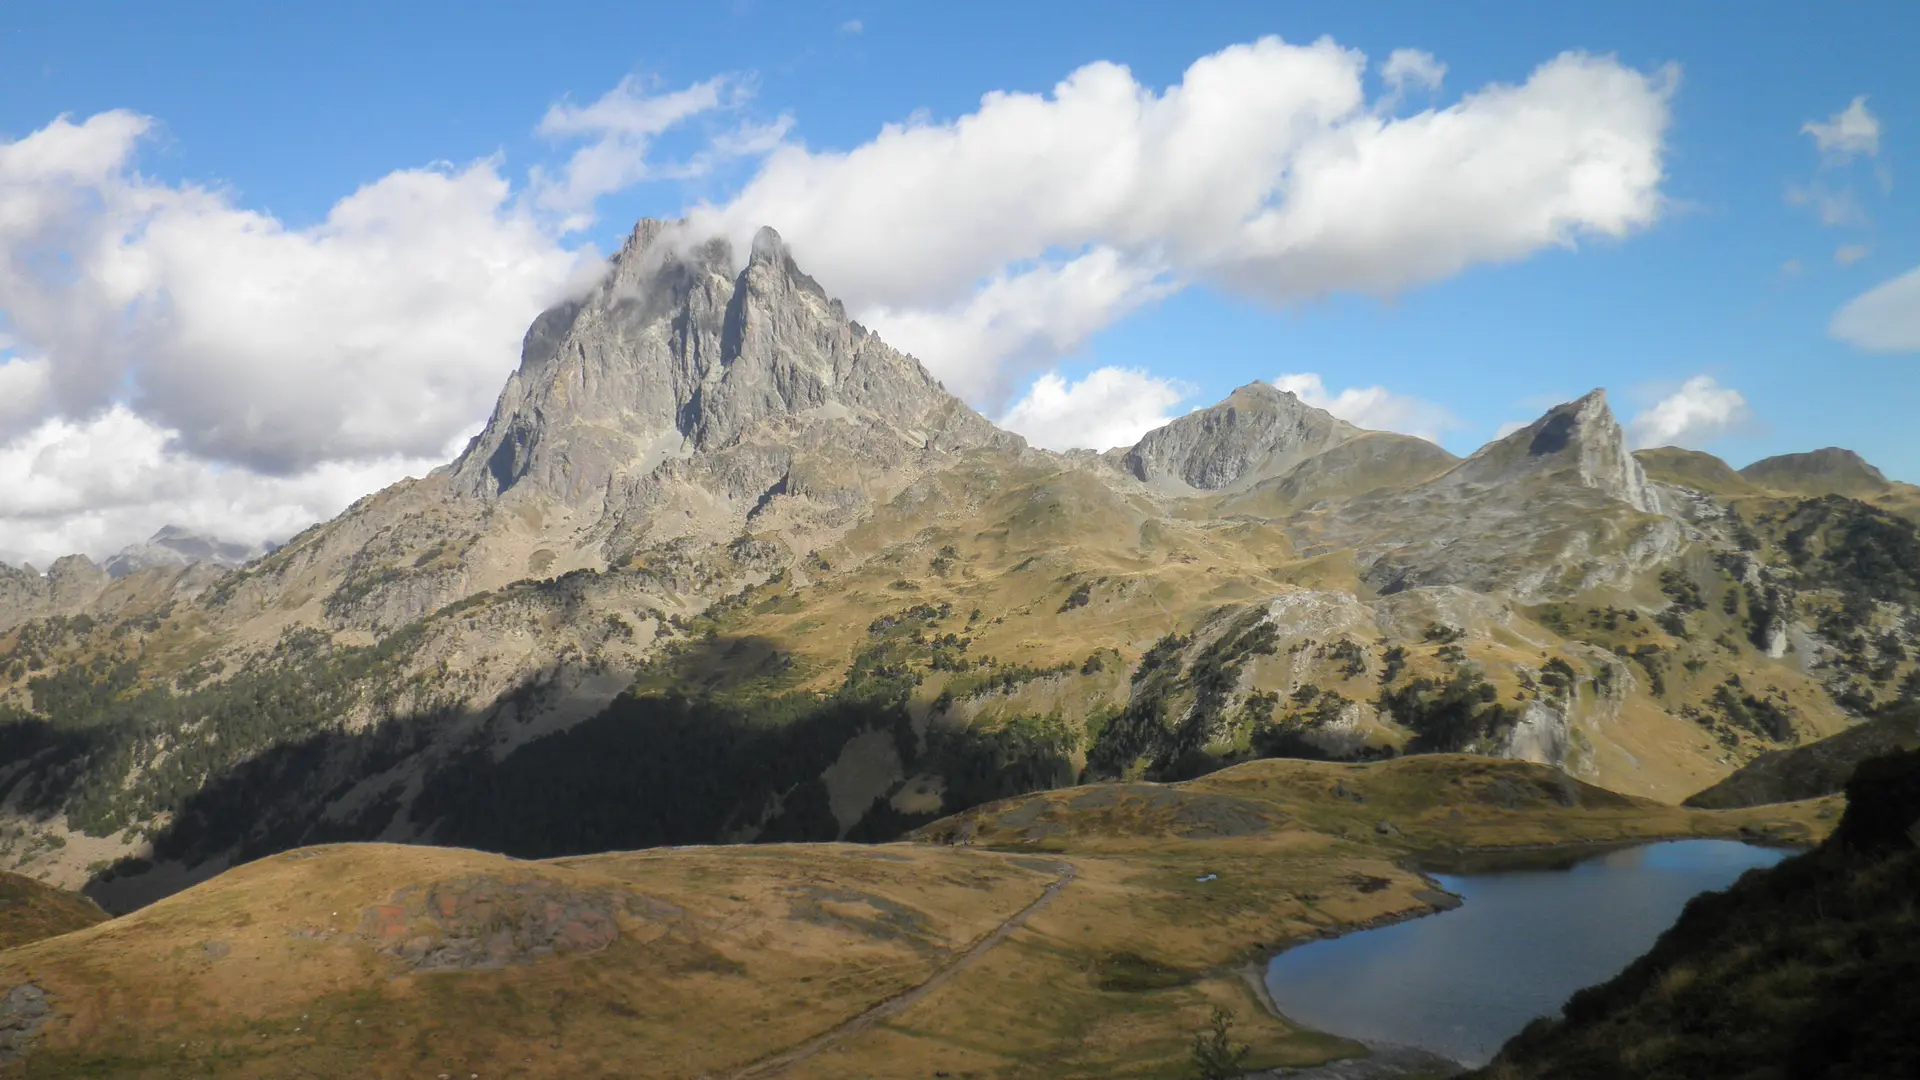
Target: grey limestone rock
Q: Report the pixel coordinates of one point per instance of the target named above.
(1259, 431)
(1579, 442)
(674, 354)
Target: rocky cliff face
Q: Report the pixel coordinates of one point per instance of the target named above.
(1553, 509)
(678, 402)
(68, 587)
(704, 452)
(1578, 443)
(1258, 432)
(675, 354)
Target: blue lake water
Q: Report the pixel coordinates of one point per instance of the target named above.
(1462, 982)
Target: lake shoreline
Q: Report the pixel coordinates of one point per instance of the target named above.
(1385, 1060)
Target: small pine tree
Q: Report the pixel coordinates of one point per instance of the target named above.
(1214, 1055)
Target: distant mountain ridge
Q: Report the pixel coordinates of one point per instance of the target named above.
(178, 546)
(722, 564)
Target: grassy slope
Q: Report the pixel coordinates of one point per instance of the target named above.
(1025, 540)
(1694, 469)
(726, 955)
(1834, 472)
(30, 911)
(1818, 768)
(1805, 969)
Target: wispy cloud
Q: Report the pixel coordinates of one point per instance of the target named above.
(1851, 131)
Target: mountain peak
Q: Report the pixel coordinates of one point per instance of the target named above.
(675, 353)
(176, 546)
(1828, 471)
(1579, 439)
(1257, 432)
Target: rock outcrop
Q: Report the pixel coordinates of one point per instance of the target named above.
(1258, 432)
(675, 354)
(1555, 508)
(1579, 443)
(68, 587)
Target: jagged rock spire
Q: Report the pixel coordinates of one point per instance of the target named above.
(1580, 439)
(673, 354)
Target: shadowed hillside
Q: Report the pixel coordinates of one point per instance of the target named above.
(1818, 768)
(1087, 932)
(1805, 969)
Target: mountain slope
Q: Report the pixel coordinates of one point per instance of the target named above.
(724, 566)
(1816, 769)
(1679, 467)
(1829, 471)
(1803, 969)
(175, 546)
(1834, 471)
(1096, 949)
(1258, 432)
(31, 911)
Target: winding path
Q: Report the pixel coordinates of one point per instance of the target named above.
(898, 1003)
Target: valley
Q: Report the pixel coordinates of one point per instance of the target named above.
(1081, 932)
(742, 703)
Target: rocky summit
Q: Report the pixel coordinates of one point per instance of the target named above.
(723, 566)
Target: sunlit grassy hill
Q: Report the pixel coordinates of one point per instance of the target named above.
(1084, 932)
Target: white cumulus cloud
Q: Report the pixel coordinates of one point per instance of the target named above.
(620, 128)
(175, 357)
(1265, 171)
(1109, 407)
(383, 329)
(1373, 407)
(1015, 321)
(1700, 411)
(254, 371)
(97, 485)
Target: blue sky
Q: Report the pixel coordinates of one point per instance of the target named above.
(285, 110)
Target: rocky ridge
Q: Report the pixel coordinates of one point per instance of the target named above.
(714, 522)
(1257, 433)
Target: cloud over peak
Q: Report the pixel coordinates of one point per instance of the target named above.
(1264, 171)
(268, 368)
(1374, 407)
(1108, 407)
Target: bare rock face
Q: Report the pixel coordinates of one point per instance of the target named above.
(674, 355)
(1258, 432)
(1579, 442)
(68, 587)
(1555, 508)
(23, 1012)
(484, 924)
